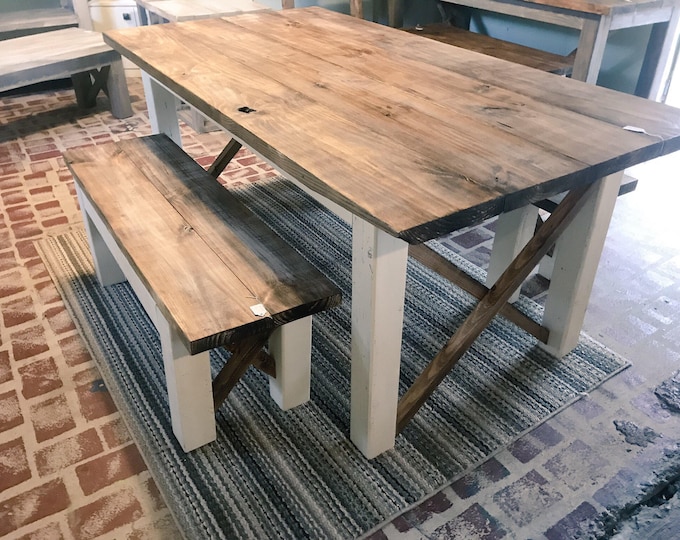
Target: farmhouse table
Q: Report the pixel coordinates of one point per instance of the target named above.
(594, 19)
(409, 144)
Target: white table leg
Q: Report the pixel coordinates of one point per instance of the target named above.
(189, 384)
(590, 51)
(162, 105)
(577, 256)
(513, 230)
(378, 287)
(291, 347)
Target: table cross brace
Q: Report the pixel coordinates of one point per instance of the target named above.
(490, 305)
(221, 161)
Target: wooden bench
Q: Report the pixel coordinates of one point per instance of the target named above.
(71, 52)
(207, 270)
(64, 13)
(505, 50)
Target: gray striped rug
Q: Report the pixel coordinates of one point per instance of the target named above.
(295, 474)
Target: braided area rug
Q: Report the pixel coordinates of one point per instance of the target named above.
(295, 474)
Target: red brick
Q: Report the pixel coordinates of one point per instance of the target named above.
(68, 452)
(14, 467)
(6, 240)
(59, 319)
(88, 376)
(48, 532)
(5, 368)
(35, 504)
(18, 311)
(41, 147)
(26, 229)
(74, 350)
(10, 198)
(11, 168)
(55, 222)
(48, 206)
(11, 283)
(110, 468)
(29, 342)
(51, 417)
(26, 248)
(18, 214)
(36, 267)
(115, 433)
(41, 166)
(46, 155)
(39, 377)
(48, 292)
(95, 400)
(8, 261)
(105, 515)
(10, 411)
(9, 150)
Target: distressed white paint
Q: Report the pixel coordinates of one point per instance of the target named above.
(378, 287)
(513, 230)
(291, 347)
(162, 105)
(189, 384)
(575, 264)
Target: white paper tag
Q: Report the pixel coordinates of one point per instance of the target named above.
(634, 129)
(259, 310)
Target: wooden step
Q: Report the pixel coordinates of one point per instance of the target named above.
(505, 50)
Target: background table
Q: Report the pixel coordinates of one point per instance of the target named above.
(595, 19)
(409, 144)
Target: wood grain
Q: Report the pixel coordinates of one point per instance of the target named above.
(396, 128)
(205, 257)
(498, 48)
(59, 54)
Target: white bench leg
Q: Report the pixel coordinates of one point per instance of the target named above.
(105, 265)
(291, 347)
(189, 383)
(378, 287)
(162, 105)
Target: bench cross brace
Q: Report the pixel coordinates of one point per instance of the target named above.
(491, 304)
(88, 84)
(244, 353)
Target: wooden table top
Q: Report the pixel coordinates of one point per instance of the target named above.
(415, 136)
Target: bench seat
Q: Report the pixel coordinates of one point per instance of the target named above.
(70, 52)
(505, 50)
(207, 270)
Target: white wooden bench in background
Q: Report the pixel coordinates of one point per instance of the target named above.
(70, 52)
(64, 14)
(208, 272)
